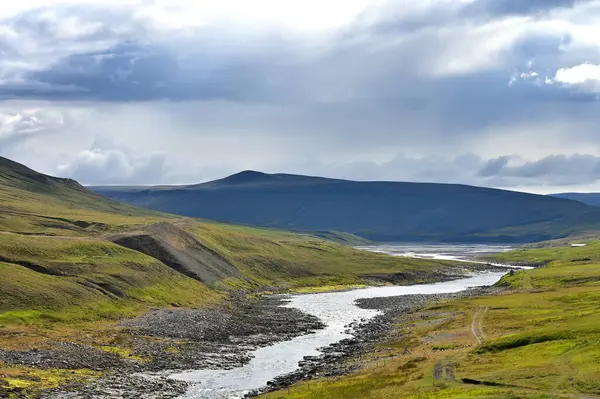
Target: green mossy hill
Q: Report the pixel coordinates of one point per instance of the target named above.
(33, 203)
(20, 183)
(73, 263)
(62, 246)
(564, 266)
(282, 259)
(539, 339)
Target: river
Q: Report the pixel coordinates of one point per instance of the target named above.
(336, 310)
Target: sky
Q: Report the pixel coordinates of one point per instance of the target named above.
(499, 93)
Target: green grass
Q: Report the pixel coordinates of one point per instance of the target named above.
(62, 280)
(31, 378)
(541, 340)
(80, 272)
(564, 266)
(284, 259)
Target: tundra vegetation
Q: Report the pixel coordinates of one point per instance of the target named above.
(73, 263)
(537, 337)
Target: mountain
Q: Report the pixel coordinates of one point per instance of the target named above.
(380, 211)
(64, 246)
(592, 199)
(73, 264)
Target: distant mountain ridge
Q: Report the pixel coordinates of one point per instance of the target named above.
(592, 199)
(380, 211)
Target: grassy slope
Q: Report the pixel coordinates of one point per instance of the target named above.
(288, 260)
(62, 281)
(541, 340)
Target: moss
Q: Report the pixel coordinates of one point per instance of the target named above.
(32, 379)
(123, 352)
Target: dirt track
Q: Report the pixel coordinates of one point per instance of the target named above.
(476, 324)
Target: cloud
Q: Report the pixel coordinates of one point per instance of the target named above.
(125, 53)
(584, 76)
(518, 7)
(478, 91)
(562, 170)
(494, 166)
(106, 163)
(19, 125)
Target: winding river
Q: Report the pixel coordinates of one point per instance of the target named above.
(336, 310)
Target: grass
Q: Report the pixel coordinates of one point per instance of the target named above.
(290, 260)
(27, 378)
(64, 274)
(63, 281)
(541, 340)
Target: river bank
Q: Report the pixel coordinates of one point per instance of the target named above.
(166, 340)
(346, 356)
(149, 349)
(169, 339)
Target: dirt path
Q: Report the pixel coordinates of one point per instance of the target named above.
(476, 327)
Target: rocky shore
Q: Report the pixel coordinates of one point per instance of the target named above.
(170, 339)
(335, 359)
(219, 338)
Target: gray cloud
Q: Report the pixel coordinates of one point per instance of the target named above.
(560, 169)
(494, 166)
(108, 55)
(518, 7)
(108, 163)
(433, 90)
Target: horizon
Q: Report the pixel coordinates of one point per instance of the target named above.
(191, 183)
(501, 94)
(324, 177)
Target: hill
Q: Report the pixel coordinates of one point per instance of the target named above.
(592, 199)
(73, 264)
(59, 231)
(380, 211)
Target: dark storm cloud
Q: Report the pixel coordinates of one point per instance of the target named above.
(215, 64)
(552, 170)
(518, 7)
(135, 72)
(430, 78)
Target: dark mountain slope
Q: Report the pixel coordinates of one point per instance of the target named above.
(592, 199)
(384, 211)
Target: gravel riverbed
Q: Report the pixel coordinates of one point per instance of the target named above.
(366, 335)
(171, 340)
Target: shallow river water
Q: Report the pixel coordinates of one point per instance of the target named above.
(336, 310)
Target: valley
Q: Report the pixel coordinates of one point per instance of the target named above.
(299, 199)
(74, 265)
(101, 299)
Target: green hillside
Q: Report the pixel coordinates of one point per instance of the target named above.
(538, 339)
(72, 261)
